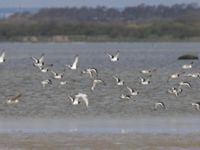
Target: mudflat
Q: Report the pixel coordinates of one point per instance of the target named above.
(75, 141)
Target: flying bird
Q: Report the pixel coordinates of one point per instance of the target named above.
(160, 104)
(58, 75)
(74, 64)
(125, 97)
(113, 58)
(196, 105)
(2, 57)
(147, 71)
(132, 91)
(144, 81)
(46, 82)
(76, 99)
(38, 62)
(14, 99)
(95, 82)
(91, 71)
(187, 66)
(119, 81)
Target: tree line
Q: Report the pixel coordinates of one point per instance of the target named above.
(179, 21)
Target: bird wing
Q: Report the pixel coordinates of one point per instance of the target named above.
(16, 97)
(116, 78)
(2, 54)
(130, 90)
(74, 65)
(93, 72)
(54, 73)
(41, 59)
(35, 59)
(109, 55)
(117, 54)
(93, 85)
(83, 97)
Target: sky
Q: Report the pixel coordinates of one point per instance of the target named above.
(90, 3)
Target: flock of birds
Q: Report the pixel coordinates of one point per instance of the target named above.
(78, 98)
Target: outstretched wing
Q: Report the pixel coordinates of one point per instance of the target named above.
(74, 65)
(16, 97)
(35, 59)
(83, 97)
(2, 56)
(41, 59)
(117, 54)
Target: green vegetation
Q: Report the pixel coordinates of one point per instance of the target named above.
(178, 22)
(99, 32)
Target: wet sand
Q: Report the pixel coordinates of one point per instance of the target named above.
(42, 141)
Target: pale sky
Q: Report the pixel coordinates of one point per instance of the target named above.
(93, 3)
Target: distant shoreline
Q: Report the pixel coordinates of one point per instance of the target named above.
(82, 38)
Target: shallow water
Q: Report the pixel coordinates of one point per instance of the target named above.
(47, 110)
(152, 125)
(44, 119)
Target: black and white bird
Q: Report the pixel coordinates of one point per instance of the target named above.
(175, 91)
(196, 105)
(76, 99)
(58, 75)
(38, 62)
(14, 99)
(159, 104)
(46, 82)
(193, 75)
(95, 82)
(187, 66)
(74, 65)
(144, 81)
(175, 75)
(113, 58)
(45, 68)
(91, 71)
(147, 71)
(63, 82)
(183, 83)
(125, 96)
(118, 81)
(2, 57)
(133, 92)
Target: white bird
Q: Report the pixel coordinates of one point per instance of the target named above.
(58, 75)
(187, 66)
(144, 81)
(193, 75)
(125, 97)
(182, 83)
(95, 82)
(74, 66)
(159, 104)
(147, 71)
(175, 75)
(113, 58)
(45, 69)
(14, 99)
(132, 91)
(63, 82)
(80, 96)
(91, 71)
(175, 91)
(118, 81)
(196, 105)
(46, 82)
(2, 57)
(38, 62)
